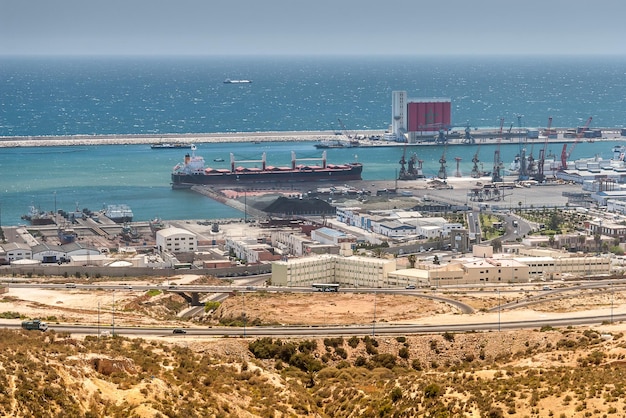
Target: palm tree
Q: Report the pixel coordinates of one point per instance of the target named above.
(597, 238)
(582, 239)
(412, 259)
(497, 245)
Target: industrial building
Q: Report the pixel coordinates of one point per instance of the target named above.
(176, 240)
(414, 120)
(349, 271)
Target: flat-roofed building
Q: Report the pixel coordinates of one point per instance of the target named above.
(331, 236)
(176, 240)
(350, 271)
(14, 251)
(490, 270)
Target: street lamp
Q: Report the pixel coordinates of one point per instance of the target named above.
(113, 316)
(612, 299)
(374, 321)
(244, 312)
(499, 310)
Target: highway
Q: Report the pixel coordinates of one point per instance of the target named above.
(319, 331)
(334, 330)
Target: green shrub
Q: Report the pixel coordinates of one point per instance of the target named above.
(403, 353)
(341, 352)
(354, 342)
(448, 336)
(383, 360)
(333, 342)
(432, 391)
(396, 394)
(360, 361)
(209, 306)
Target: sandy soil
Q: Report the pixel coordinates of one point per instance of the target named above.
(132, 307)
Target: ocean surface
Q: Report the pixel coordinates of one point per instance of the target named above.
(96, 96)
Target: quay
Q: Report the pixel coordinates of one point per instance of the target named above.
(367, 138)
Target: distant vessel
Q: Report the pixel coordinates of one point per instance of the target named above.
(38, 217)
(229, 81)
(169, 145)
(336, 143)
(193, 171)
(218, 160)
(119, 213)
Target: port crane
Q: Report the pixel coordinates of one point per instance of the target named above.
(540, 177)
(565, 154)
(476, 172)
(344, 130)
(411, 169)
(442, 174)
(496, 174)
(442, 136)
(521, 157)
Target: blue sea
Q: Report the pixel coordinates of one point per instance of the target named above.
(114, 95)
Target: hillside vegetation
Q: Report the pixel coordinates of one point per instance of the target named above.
(564, 373)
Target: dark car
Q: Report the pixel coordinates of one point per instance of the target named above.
(179, 331)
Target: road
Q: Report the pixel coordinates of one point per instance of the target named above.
(313, 331)
(347, 330)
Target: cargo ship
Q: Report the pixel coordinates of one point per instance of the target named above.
(193, 171)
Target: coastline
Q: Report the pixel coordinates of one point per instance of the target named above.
(51, 141)
(483, 136)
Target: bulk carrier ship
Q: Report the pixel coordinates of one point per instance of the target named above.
(193, 171)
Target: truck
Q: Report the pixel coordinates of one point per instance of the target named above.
(35, 324)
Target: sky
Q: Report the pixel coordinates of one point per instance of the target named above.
(312, 27)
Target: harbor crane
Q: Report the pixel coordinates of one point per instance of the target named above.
(476, 172)
(344, 130)
(442, 136)
(442, 174)
(540, 177)
(523, 168)
(565, 154)
(411, 169)
(496, 174)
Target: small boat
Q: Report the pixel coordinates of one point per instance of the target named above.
(229, 81)
(170, 145)
(119, 213)
(218, 160)
(337, 143)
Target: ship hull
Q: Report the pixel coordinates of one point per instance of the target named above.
(170, 146)
(353, 172)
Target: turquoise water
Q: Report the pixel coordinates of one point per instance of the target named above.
(69, 96)
(93, 176)
(104, 95)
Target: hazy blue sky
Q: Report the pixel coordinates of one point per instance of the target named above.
(312, 27)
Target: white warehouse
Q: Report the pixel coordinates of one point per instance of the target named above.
(176, 240)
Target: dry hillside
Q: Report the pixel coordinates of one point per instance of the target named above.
(566, 372)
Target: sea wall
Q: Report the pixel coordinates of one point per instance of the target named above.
(46, 141)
